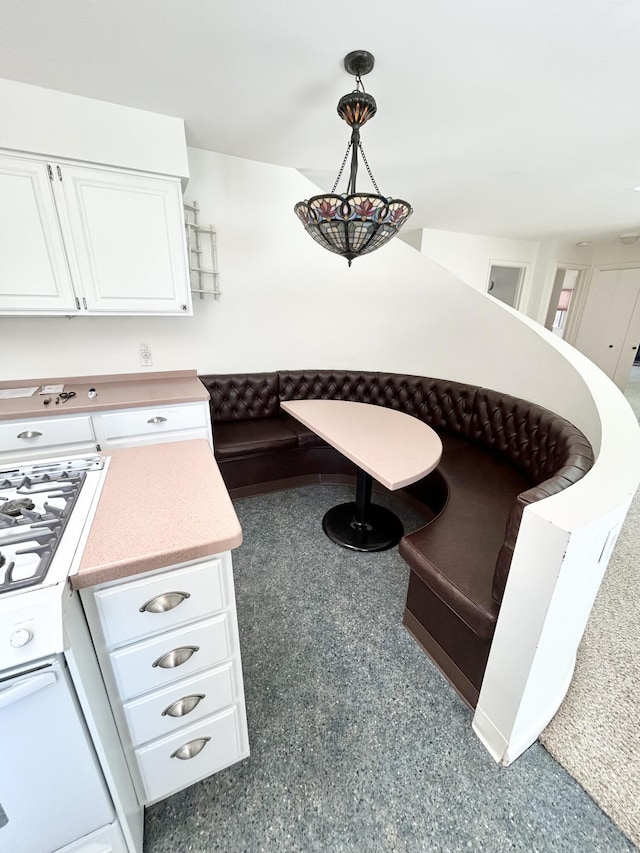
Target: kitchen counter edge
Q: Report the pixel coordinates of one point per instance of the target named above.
(123, 541)
(125, 391)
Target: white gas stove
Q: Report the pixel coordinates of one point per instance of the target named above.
(46, 508)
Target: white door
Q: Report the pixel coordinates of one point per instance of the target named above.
(610, 327)
(128, 239)
(34, 275)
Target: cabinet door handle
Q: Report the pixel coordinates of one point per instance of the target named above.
(176, 657)
(191, 749)
(164, 602)
(183, 706)
(29, 433)
(157, 420)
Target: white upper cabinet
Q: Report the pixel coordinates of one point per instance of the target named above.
(119, 244)
(127, 234)
(34, 275)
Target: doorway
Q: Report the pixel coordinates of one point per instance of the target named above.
(567, 285)
(505, 283)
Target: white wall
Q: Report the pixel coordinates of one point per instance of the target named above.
(469, 256)
(288, 303)
(56, 124)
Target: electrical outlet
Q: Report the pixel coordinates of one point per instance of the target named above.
(145, 356)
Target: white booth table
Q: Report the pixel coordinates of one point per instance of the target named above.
(394, 448)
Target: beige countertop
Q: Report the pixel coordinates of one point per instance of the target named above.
(393, 447)
(123, 391)
(162, 504)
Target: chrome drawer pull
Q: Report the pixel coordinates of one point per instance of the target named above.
(157, 420)
(165, 601)
(191, 749)
(29, 433)
(176, 657)
(183, 706)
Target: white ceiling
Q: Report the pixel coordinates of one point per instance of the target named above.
(518, 118)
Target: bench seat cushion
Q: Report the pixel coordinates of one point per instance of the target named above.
(258, 435)
(463, 543)
(306, 437)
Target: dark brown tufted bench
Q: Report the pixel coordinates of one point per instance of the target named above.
(500, 454)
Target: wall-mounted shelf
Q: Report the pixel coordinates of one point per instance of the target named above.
(203, 254)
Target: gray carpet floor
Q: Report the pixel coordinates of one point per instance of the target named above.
(357, 742)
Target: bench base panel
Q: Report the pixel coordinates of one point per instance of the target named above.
(454, 675)
(446, 638)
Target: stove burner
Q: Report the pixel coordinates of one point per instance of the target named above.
(36, 501)
(16, 506)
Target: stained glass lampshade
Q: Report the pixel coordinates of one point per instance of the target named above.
(355, 223)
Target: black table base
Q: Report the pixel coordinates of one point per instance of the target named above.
(361, 525)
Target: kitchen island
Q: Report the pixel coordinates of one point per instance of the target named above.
(154, 592)
(161, 504)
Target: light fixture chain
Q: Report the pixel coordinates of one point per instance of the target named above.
(368, 168)
(344, 163)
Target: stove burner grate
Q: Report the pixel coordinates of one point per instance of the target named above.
(15, 507)
(36, 502)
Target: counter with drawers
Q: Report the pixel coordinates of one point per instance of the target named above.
(168, 649)
(104, 412)
(156, 585)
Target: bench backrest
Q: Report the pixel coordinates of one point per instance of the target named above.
(241, 397)
(550, 451)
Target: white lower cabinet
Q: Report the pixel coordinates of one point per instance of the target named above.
(198, 750)
(40, 437)
(153, 663)
(161, 712)
(57, 435)
(175, 684)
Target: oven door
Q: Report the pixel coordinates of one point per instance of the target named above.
(52, 791)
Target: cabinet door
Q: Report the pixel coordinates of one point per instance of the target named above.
(34, 276)
(127, 239)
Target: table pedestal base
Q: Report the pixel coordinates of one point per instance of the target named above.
(381, 530)
(361, 525)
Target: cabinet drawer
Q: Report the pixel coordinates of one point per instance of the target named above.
(143, 607)
(163, 711)
(45, 432)
(153, 421)
(143, 666)
(162, 770)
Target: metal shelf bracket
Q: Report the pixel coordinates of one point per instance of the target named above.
(203, 254)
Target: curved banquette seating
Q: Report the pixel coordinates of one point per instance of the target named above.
(500, 453)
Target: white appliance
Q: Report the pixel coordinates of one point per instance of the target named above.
(52, 792)
(53, 795)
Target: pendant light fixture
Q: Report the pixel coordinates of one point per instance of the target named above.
(355, 223)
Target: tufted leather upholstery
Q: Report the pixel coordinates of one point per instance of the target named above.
(545, 448)
(501, 453)
(242, 397)
(440, 403)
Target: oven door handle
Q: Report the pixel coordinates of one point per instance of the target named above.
(26, 687)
